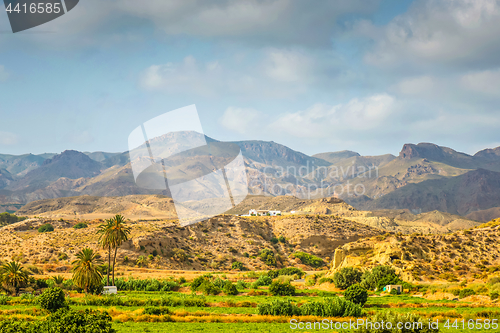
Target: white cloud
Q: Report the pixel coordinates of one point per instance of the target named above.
(323, 121)
(420, 85)
(187, 76)
(242, 120)
(8, 138)
(483, 82)
(289, 66)
(3, 74)
(444, 32)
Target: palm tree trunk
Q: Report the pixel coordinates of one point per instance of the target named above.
(114, 263)
(109, 261)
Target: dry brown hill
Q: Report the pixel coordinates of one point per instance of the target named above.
(465, 254)
(214, 243)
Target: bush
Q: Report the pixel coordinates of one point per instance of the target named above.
(356, 294)
(237, 265)
(379, 277)
(309, 259)
(286, 271)
(281, 289)
(466, 292)
(157, 311)
(347, 277)
(208, 288)
(52, 299)
(278, 308)
(80, 225)
(274, 240)
(241, 285)
(230, 288)
(494, 295)
(46, 228)
(197, 282)
(282, 239)
(332, 307)
(267, 256)
(7, 218)
(263, 280)
(394, 319)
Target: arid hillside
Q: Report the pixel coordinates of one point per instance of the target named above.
(462, 255)
(213, 244)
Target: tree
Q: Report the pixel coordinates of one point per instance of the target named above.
(379, 277)
(85, 270)
(13, 275)
(52, 299)
(356, 294)
(105, 242)
(346, 277)
(118, 233)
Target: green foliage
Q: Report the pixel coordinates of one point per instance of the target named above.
(346, 277)
(267, 256)
(356, 294)
(52, 299)
(7, 218)
(494, 295)
(325, 280)
(80, 225)
(263, 280)
(132, 284)
(47, 227)
(286, 271)
(274, 240)
(379, 277)
(241, 285)
(394, 319)
(85, 271)
(281, 289)
(209, 288)
(158, 311)
(309, 259)
(230, 288)
(466, 292)
(4, 299)
(282, 239)
(394, 291)
(332, 307)
(13, 275)
(237, 265)
(197, 282)
(278, 307)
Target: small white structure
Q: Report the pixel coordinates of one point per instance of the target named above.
(108, 290)
(255, 212)
(397, 287)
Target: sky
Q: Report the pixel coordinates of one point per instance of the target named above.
(316, 76)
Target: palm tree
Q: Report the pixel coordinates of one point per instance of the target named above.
(105, 242)
(85, 270)
(12, 274)
(119, 233)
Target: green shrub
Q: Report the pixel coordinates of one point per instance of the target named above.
(158, 311)
(379, 277)
(263, 280)
(394, 319)
(274, 240)
(278, 308)
(286, 271)
(346, 277)
(325, 280)
(494, 295)
(52, 299)
(197, 282)
(237, 265)
(309, 259)
(209, 288)
(46, 228)
(80, 225)
(466, 292)
(281, 289)
(394, 291)
(7, 218)
(230, 288)
(4, 299)
(356, 294)
(267, 256)
(282, 239)
(332, 307)
(241, 285)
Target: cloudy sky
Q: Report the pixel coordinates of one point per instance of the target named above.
(363, 75)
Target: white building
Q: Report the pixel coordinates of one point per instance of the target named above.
(256, 212)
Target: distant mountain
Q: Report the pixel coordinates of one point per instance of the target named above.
(473, 191)
(488, 158)
(20, 165)
(69, 164)
(100, 156)
(337, 156)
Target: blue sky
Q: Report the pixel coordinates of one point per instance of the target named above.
(363, 75)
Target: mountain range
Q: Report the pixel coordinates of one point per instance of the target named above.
(424, 177)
